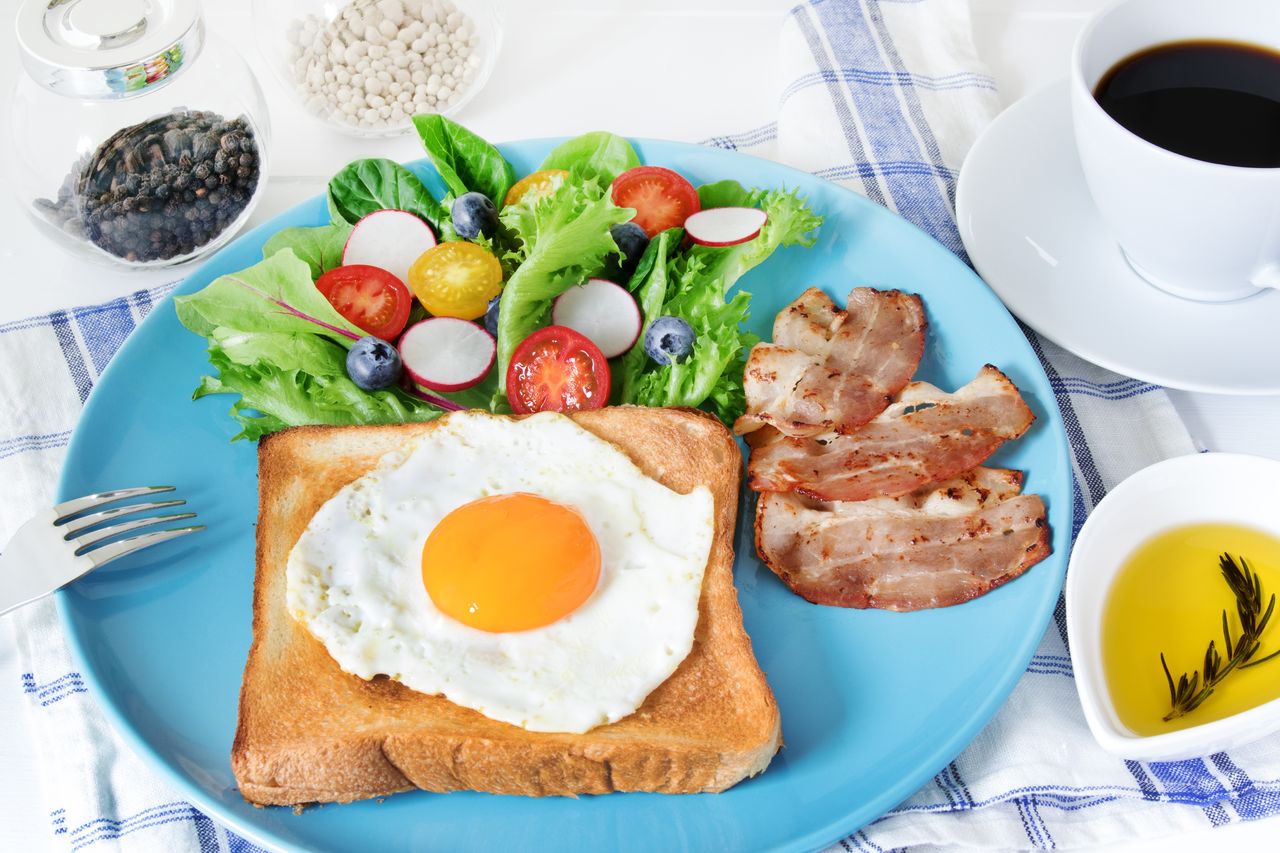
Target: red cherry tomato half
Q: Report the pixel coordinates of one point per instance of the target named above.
(557, 370)
(660, 197)
(368, 297)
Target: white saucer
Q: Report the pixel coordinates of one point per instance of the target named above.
(1033, 233)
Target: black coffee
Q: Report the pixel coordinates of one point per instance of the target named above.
(1216, 101)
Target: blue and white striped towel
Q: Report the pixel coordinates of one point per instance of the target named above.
(884, 97)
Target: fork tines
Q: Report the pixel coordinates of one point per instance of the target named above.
(90, 530)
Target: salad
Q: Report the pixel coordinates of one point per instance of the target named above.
(594, 280)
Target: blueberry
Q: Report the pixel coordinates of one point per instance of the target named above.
(473, 215)
(373, 364)
(668, 339)
(491, 316)
(632, 241)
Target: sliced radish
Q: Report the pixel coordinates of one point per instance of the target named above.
(390, 239)
(725, 226)
(603, 311)
(447, 354)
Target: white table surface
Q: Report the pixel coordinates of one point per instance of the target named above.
(559, 74)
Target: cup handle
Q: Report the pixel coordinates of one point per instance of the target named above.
(1268, 275)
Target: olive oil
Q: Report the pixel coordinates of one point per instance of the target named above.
(1168, 597)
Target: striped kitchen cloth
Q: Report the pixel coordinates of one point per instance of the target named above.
(886, 98)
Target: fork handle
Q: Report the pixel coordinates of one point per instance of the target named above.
(33, 564)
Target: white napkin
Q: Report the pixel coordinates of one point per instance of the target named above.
(886, 98)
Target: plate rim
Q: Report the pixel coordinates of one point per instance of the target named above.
(965, 190)
(818, 836)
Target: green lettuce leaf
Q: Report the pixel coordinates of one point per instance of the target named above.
(649, 284)
(320, 247)
(561, 240)
(728, 194)
(697, 290)
(275, 394)
(260, 299)
(288, 370)
(598, 154)
(364, 186)
(464, 160)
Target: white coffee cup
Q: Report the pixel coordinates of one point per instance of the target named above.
(1196, 229)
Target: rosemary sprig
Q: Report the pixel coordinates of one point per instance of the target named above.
(1191, 691)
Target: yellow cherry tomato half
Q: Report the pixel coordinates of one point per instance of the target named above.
(542, 183)
(456, 280)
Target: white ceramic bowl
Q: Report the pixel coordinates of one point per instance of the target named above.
(1204, 488)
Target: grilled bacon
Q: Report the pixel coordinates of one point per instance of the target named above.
(940, 545)
(832, 370)
(926, 436)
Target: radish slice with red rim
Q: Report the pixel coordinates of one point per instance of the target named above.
(389, 239)
(447, 354)
(602, 311)
(725, 226)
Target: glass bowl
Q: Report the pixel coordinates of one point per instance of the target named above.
(136, 138)
(365, 67)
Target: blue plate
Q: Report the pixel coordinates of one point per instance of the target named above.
(873, 703)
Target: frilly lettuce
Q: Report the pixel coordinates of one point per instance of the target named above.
(697, 287)
(558, 241)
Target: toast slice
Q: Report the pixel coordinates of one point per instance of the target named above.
(309, 732)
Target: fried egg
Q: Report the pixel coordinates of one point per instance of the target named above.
(526, 569)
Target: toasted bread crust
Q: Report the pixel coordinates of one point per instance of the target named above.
(309, 732)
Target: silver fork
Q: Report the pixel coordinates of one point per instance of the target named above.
(63, 543)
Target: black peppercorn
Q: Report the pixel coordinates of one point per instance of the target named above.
(159, 189)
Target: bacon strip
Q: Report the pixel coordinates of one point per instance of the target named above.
(941, 545)
(833, 370)
(926, 436)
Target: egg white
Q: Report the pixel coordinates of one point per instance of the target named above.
(354, 578)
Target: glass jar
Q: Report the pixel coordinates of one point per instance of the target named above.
(366, 67)
(138, 138)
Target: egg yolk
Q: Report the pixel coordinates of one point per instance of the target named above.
(510, 562)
